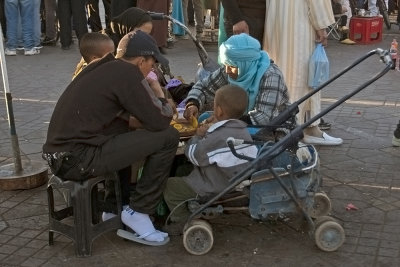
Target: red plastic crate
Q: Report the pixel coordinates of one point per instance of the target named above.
(366, 30)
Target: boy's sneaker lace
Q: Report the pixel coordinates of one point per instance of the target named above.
(10, 52)
(31, 52)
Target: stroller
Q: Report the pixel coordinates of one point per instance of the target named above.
(275, 184)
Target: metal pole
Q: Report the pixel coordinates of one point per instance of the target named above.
(11, 122)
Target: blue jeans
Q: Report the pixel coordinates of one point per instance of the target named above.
(14, 9)
(37, 27)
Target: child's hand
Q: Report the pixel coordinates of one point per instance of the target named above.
(210, 120)
(202, 130)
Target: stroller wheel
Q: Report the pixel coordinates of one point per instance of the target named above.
(322, 205)
(329, 236)
(198, 238)
(322, 219)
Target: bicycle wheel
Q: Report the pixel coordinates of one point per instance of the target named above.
(384, 12)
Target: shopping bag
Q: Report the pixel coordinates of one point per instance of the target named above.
(318, 67)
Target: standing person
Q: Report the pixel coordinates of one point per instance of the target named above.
(292, 29)
(15, 9)
(50, 13)
(94, 20)
(244, 16)
(160, 29)
(75, 10)
(86, 137)
(198, 15)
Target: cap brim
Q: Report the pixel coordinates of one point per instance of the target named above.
(161, 59)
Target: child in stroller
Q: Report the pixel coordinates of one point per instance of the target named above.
(213, 161)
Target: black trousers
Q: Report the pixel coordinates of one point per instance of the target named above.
(119, 6)
(158, 149)
(254, 14)
(75, 10)
(94, 14)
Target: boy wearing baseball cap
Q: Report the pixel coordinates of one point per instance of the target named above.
(86, 137)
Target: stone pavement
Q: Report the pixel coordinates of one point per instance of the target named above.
(364, 171)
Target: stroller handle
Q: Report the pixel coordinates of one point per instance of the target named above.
(232, 142)
(156, 16)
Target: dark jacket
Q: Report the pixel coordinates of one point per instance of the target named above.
(86, 113)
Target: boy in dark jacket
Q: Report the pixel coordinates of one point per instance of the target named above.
(86, 137)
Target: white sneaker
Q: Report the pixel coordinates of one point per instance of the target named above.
(10, 52)
(325, 140)
(31, 52)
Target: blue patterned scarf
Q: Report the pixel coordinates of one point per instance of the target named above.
(244, 52)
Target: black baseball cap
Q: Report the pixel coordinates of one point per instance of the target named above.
(138, 43)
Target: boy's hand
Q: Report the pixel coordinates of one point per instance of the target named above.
(202, 130)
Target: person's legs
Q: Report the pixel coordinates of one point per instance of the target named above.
(107, 12)
(185, 12)
(199, 15)
(94, 15)
(11, 13)
(27, 23)
(37, 31)
(373, 8)
(79, 17)
(50, 10)
(158, 148)
(176, 192)
(64, 18)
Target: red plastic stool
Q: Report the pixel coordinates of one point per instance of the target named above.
(366, 30)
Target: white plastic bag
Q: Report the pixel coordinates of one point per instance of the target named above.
(318, 67)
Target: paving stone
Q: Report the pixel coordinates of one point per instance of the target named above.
(33, 262)
(11, 231)
(26, 252)
(30, 233)
(19, 241)
(388, 252)
(37, 243)
(8, 249)
(14, 260)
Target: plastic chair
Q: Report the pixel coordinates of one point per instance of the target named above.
(84, 205)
